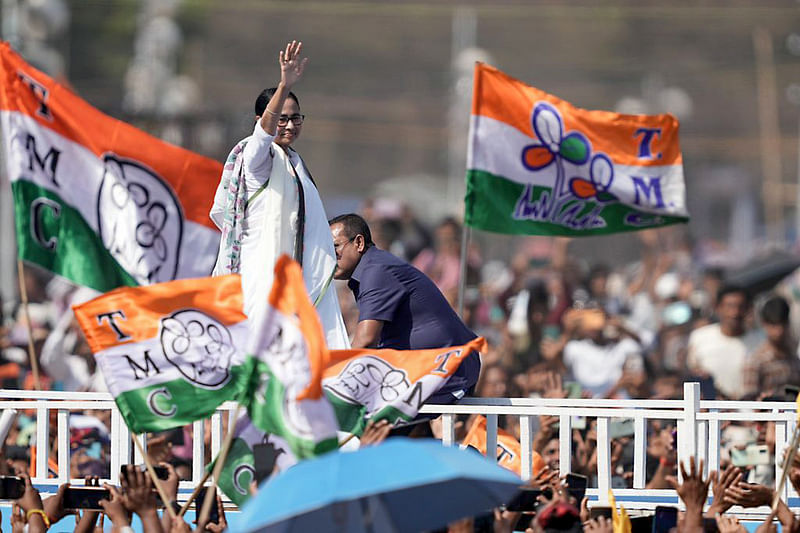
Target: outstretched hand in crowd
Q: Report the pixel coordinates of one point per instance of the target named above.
(720, 482)
(729, 524)
(694, 492)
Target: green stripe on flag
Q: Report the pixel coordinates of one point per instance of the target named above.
(491, 199)
(177, 403)
(239, 471)
(55, 236)
(267, 402)
(351, 416)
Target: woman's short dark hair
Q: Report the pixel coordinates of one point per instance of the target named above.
(353, 225)
(266, 95)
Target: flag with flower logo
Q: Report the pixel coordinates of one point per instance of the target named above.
(170, 353)
(389, 384)
(538, 165)
(96, 200)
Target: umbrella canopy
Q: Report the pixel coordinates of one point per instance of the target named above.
(763, 273)
(399, 485)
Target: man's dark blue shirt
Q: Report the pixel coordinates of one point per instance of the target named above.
(414, 312)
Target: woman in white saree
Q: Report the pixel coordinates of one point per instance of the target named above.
(267, 204)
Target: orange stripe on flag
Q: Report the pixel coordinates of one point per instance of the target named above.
(416, 363)
(289, 297)
(142, 308)
(499, 96)
(193, 177)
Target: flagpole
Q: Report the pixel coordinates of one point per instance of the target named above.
(348, 439)
(220, 461)
(152, 472)
(788, 458)
(194, 493)
(462, 278)
(787, 463)
(23, 294)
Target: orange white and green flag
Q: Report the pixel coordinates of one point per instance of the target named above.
(509, 450)
(170, 353)
(97, 200)
(288, 353)
(389, 384)
(538, 165)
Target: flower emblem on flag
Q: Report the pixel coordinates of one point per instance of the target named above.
(139, 220)
(368, 379)
(199, 346)
(554, 147)
(553, 143)
(601, 175)
(575, 202)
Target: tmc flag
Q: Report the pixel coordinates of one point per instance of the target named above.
(288, 354)
(239, 470)
(97, 200)
(389, 384)
(538, 165)
(170, 352)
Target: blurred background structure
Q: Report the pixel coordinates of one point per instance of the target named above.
(388, 88)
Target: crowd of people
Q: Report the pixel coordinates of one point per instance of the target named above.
(557, 325)
(134, 496)
(555, 509)
(560, 326)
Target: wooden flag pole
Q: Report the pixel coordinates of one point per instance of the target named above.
(462, 277)
(153, 476)
(194, 494)
(350, 437)
(787, 463)
(23, 294)
(218, 464)
(787, 459)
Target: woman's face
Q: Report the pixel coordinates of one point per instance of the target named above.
(289, 132)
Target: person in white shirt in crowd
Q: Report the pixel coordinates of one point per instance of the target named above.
(66, 356)
(720, 350)
(601, 354)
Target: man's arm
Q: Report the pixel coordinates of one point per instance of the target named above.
(368, 333)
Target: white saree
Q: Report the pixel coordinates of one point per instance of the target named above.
(269, 229)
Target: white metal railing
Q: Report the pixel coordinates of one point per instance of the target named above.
(697, 422)
(41, 405)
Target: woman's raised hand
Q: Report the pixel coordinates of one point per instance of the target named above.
(292, 65)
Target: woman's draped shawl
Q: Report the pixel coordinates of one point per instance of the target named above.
(280, 228)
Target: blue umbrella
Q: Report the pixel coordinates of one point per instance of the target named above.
(399, 485)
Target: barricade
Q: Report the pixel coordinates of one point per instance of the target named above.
(698, 434)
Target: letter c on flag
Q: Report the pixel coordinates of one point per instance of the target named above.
(242, 488)
(152, 402)
(37, 231)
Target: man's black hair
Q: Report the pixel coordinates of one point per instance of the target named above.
(775, 311)
(266, 95)
(353, 225)
(730, 288)
(452, 222)
(599, 270)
